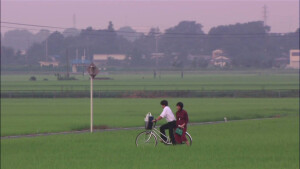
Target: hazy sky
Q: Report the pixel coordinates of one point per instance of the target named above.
(283, 16)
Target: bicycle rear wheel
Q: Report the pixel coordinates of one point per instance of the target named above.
(189, 138)
(146, 139)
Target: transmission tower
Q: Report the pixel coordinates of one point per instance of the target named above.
(74, 20)
(265, 14)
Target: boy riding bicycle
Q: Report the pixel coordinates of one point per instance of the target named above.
(171, 121)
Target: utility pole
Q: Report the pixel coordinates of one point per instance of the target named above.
(74, 20)
(83, 59)
(77, 54)
(265, 16)
(91, 108)
(46, 45)
(156, 35)
(67, 56)
(156, 39)
(156, 44)
(93, 71)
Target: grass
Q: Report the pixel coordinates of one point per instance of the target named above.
(201, 80)
(25, 116)
(253, 144)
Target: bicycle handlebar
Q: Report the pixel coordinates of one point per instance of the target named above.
(154, 124)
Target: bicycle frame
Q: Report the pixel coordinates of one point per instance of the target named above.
(155, 133)
(158, 134)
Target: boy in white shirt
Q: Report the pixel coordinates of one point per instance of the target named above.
(171, 121)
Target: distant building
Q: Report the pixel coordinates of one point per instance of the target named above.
(219, 59)
(281, 62)
(79, 63)
(49, 63)
(294, 59)
(54, 57)
(216, 53)
(157, 55)
(23, 52)
(198, 57)
(53, 61)
(103, 59)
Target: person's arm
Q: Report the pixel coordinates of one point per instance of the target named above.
(162, 115)
(181, 126)
(186, 119)
(158, 118)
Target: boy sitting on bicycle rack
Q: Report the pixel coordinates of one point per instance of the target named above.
(171, 121)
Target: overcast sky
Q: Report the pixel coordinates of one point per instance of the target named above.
(283, 16)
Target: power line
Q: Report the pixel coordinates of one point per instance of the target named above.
(13, 27)
(55, 27)
(155, 34)
(41, 26)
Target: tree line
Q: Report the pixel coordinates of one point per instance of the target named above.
(246, 44)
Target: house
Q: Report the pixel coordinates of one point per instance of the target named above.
(157, 55)
(103, 59)
(219, 59)
(198, 57)
(216, 53)
(53, 61)
(294, 59)
(49, 63)
(281, 62)
(79, 63)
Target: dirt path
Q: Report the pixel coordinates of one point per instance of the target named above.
(112, 129)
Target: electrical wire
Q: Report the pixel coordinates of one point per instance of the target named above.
(154, 34)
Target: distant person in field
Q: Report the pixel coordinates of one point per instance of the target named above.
(171, 121)
(182, 120)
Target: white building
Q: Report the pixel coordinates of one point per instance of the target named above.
(102, 59)
(294, 59)
(218, 58)
(49, 63)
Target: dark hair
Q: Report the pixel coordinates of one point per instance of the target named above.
(164, 102)
(180, 104)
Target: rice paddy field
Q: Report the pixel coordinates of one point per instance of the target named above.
(266, 137)
(127, 81)
(25, 116)
(253, 144)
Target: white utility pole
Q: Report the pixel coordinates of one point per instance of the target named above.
(93, 71)
(91, 104)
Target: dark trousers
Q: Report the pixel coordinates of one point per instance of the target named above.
(171, 126)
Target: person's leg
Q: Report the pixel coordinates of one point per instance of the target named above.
(162, 130)
(183, 137)
(172, 126)
(187, 143)
(177, 138)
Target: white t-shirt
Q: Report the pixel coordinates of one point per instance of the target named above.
(168, 114)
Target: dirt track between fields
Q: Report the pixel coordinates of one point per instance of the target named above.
(113, 129)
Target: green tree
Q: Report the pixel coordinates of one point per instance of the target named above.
(244, 43)
(185, 38)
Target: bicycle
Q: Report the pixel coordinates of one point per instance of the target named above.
(149, 138)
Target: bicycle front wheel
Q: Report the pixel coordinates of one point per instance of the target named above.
(146, 139)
